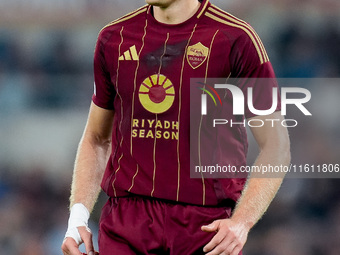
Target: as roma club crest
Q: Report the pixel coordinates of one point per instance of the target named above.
(197, 54)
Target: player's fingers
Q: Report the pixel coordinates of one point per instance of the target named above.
(220, 249)
(86, 236)
(214, 242)
(236, 250)
(211, 227)
(70, 247)
(231, 244)
(227, 247)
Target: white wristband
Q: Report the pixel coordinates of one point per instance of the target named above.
(79, 216)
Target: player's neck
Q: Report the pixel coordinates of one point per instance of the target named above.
(177, 12)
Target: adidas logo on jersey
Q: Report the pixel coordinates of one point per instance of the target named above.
(130, 54)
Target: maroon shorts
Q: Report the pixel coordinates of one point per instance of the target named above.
(137, 225)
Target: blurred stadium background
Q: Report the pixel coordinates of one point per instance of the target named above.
(46, 82)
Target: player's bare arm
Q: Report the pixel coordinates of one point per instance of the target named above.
(232, 233)
(93, 152)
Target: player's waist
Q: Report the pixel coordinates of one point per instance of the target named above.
(229, 203)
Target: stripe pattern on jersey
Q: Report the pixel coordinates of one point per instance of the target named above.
(179, 113)
(121, 112)
(133, 99)
(200, 126)
(203, 9)
(135, 85)
(224, 17)
(155, 139)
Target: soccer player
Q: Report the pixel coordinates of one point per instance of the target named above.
(138, 131)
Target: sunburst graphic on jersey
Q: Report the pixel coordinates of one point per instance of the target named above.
(157, 93)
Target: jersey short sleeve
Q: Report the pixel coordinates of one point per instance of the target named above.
(251, 68)
(104, 91)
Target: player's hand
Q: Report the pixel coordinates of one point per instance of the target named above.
(229, 239)
(71, 247)
(78, 232)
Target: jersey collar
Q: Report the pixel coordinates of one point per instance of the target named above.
(188, 23)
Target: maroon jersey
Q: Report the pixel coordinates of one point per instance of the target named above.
(142, 70)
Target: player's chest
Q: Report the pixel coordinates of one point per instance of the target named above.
(178, 56)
